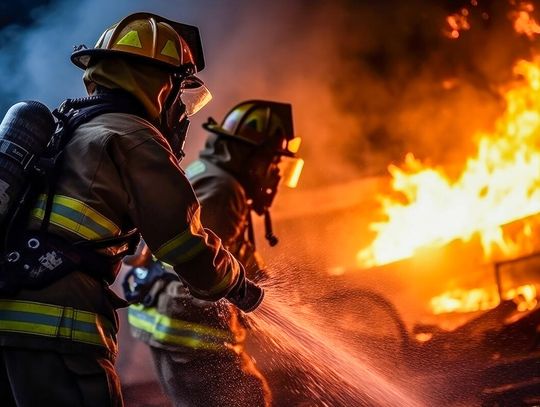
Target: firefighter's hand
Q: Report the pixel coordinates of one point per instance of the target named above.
(144, 284)
(245, 295)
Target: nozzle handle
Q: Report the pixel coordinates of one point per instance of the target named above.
(248, 298)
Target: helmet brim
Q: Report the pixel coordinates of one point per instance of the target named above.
(83, 57)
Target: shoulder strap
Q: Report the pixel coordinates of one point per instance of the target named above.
(71, 114)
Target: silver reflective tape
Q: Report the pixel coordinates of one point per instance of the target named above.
(4, 197)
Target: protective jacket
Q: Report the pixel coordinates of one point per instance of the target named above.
(117, 173)
(180, 322)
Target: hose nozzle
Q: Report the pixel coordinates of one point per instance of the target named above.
(248, 298)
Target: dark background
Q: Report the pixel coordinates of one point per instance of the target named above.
(369, 81)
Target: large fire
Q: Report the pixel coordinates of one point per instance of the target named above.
(498, 185)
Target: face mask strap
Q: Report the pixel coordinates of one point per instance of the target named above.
(174, 122)
(181, 132)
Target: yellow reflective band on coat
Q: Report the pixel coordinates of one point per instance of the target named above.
(218, 288)
(35, 318)
(171, 331)
(76, 217)
(181, 248)
(195, 168)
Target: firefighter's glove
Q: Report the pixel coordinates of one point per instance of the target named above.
(245, 295)
(144, 284)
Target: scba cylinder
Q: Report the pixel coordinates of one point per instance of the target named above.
(24, 133)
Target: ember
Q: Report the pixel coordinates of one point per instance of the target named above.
(523, 22)
(457, 22)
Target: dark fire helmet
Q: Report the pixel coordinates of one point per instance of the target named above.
(268, 126)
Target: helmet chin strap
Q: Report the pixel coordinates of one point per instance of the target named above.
(269, 234)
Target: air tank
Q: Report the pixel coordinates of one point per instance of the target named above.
(24, 133)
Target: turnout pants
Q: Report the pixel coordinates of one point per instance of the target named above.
(216, 379)
(30, 378)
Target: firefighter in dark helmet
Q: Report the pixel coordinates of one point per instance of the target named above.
(117, 176)
(198, 347)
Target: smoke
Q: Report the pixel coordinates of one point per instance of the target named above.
(369, 81)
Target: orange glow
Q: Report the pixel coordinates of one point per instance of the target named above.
(481, 299)
(449, 84)
(457, 22)
(498, 185)
(423, 337)
(290, 170)
(523, 22)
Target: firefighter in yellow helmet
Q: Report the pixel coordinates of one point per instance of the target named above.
(197, 346)
(115, 175)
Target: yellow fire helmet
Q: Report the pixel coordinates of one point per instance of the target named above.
(268, 125)
(150, 38)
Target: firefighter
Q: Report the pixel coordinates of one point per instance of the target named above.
(197, 346)
(58, 327)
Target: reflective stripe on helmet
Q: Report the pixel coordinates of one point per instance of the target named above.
(76, 217)
(177, 332)
(131, 39)
(55, 321)
(169, 50)
(293, 145)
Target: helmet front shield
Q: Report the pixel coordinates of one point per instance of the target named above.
(194, 95)
(290, 169)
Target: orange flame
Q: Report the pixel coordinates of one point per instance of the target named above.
(523, 22)
(481, 299)
(498, 185)
(457, 22)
